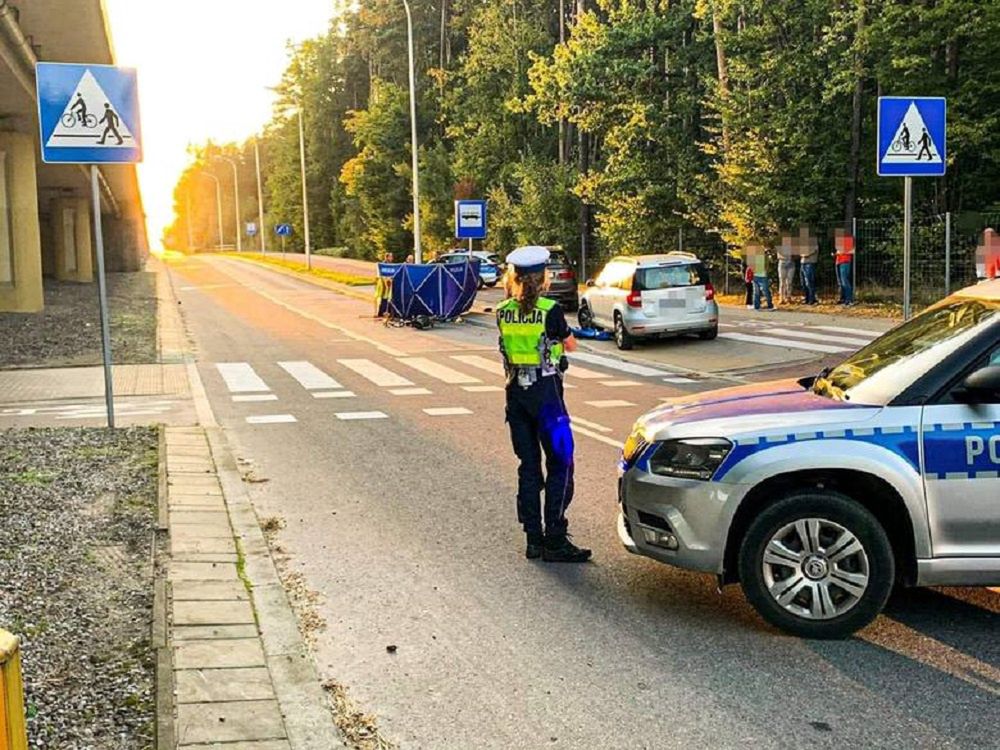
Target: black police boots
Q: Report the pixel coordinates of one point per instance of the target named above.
(561, 549)
(534, 549)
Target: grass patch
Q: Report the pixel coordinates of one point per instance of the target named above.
(348, 279)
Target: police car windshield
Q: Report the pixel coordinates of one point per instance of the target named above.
(891, 363)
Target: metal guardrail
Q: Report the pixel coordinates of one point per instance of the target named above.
(13, 733)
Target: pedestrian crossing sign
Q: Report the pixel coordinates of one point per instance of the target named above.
(912, 136)
(88, 114)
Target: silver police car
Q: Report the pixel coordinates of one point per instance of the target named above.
(818, 495)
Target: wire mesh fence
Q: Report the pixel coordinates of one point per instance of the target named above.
(943, 257)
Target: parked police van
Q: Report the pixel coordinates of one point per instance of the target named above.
(817, 495)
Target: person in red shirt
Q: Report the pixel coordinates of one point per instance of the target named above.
(844, 260)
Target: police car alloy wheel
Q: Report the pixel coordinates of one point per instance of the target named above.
(817, 564)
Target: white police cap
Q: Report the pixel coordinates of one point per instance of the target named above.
(530, 259)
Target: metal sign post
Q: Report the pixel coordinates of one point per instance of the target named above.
(89, 114)
(912, 142)
(102, 294)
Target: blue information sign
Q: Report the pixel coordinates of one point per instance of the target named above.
(283, 230)
(912, 138)
(88, 114)
(470, 220)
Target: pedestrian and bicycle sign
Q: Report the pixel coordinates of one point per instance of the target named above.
(283, 230)
(470, 220)
(912, 141)
(88, 114)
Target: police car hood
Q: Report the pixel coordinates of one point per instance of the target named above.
(751, 409)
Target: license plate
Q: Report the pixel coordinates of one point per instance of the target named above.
(672, 304)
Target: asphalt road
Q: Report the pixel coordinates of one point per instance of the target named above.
(404, 526)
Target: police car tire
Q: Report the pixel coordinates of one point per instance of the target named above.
(840, 509)
(584, 316)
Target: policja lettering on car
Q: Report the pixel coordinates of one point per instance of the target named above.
(533, 337)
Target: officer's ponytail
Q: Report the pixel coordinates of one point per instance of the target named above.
(525, 288)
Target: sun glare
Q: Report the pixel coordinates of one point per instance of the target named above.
(203, 70)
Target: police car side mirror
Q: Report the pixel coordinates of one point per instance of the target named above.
(590, 282)
(982, 386)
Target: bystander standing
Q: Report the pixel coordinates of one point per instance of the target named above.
(844, 261)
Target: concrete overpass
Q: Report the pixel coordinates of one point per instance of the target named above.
(45, 209)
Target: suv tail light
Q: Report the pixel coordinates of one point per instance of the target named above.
(563, 274)
(634, 299)
(709, 291)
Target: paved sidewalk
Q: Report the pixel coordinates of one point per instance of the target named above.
(242, 672)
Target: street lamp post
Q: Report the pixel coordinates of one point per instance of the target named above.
(236, 206)
(305, 197)
(218, 201)
(260, 199)
(413, 137)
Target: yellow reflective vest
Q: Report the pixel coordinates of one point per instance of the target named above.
(522, 335)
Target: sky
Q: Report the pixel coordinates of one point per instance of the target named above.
(204, 67)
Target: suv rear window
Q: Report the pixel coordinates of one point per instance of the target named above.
(558, 258)
(667, 277)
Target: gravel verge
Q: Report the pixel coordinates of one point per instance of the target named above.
(77, 518)
(67, 333)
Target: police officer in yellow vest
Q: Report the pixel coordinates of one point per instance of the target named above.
(533, 338)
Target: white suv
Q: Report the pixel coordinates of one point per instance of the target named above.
(651, 295)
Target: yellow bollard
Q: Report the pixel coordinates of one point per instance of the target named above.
(13, 735)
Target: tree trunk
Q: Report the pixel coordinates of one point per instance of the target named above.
(851, 198)
(562, 120)
(584, 166)
(722, 67)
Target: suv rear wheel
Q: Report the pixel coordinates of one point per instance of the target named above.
(623, 339)
(817, 564)
(584, 316)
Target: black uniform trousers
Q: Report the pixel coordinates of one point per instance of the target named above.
(539, 422)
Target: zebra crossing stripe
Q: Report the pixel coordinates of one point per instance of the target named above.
(615, 364)
(254, 397)
(785, 343)
(309, 376)
(353, 416)
(375, 373)
(271, 419)
(409, 392)
(494, 366)
(447, 411)
(438, 371)
(861, 332)
(609, 404)
(803, 333)
(240, 377)
(333, 394)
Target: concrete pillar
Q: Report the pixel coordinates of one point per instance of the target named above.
(84, 241)
(70, 233)
(20, 242)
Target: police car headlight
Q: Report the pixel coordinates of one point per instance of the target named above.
(690, 458)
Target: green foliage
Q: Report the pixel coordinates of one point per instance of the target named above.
(721, 119)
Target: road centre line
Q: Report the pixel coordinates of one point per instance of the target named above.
(309, 376)
(616, 364)
(271, 419)
(436, 370)
(240, 377)
(316, 319)
(786, 343)
(802, 333)
(375, 373)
